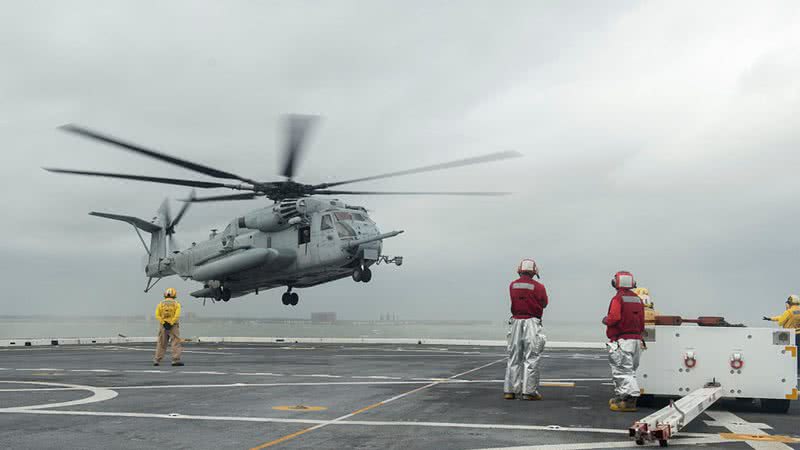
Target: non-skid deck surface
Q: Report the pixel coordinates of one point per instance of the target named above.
(324, 396)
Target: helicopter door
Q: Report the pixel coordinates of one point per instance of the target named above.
(304, 235)
(327, 243)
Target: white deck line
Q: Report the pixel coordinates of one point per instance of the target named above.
(38, 342)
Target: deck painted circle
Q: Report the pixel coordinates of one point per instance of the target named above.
(98, 395)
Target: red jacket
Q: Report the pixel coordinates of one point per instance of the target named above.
(625, 319)
(528, 298)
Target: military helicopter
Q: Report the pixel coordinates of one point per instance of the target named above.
(301, 240)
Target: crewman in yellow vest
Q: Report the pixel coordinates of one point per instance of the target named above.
(790, 319)
(167, 313)
(649, 307)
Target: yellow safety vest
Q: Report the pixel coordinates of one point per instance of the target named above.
(168, 311)
(790, 318)
(650, 315)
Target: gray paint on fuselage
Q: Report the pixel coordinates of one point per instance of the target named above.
(325, 258)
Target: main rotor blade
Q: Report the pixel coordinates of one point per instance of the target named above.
(219, 198)
(85, 132)
(176, 181)
(297, 128)
(447, 165)
(174, 246)
(335, 192)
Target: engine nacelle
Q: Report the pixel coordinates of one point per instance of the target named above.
(263, 220)
(274, 218)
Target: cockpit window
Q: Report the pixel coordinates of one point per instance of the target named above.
(343, 215)
(358, 217)
(327, 222)
(345, 231)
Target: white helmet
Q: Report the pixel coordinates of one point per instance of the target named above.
(528, 266)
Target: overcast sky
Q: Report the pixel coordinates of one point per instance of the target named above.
(659, 137)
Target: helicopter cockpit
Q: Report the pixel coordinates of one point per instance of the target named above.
(348, 225)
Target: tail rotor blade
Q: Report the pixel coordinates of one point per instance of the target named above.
(185, 206)
(174, 246)
(165, 214)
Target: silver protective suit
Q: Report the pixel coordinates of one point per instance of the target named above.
(525, 346)
(623, 356)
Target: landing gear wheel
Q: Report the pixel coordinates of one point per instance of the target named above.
(366, 275)
(294, 299)
(285, 298)
(226, 294)
(357, 275)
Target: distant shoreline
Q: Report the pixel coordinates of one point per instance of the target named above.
(284, 320)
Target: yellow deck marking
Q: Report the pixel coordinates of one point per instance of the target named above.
(302, 408)
(283, 439)
(367, 408)
(792, 349)
(793, 395)
(759, 437)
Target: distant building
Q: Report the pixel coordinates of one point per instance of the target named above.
(323, 317)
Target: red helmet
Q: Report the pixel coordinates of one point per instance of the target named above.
(528, 266)
(623, 280)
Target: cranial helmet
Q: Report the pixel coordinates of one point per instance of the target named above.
(528, 266)
(170, 293)
(623, 280)
(793, 300)
(644, 294)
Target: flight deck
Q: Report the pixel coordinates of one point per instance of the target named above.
(333, 396)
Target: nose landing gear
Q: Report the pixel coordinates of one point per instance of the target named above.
(290, 298)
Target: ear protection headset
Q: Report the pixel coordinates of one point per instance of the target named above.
(623, 280)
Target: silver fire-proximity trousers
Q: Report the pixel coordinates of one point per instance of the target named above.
(623, 356)
(525, 346)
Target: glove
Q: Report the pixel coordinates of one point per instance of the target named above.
(605, 320)
(766, 318)
(167, 326)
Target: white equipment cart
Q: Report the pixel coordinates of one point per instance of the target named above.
(702, 364)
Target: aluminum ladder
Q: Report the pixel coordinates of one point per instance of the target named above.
(666, 422)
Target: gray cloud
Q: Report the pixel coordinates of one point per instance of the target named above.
(659, 137)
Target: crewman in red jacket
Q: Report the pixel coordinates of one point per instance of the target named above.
(625, 325)
(525, 338)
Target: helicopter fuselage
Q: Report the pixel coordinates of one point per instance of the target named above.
(295, 243)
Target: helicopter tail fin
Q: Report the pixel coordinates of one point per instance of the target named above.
(157, 227)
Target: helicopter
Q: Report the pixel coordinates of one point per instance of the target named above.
(303, 239)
